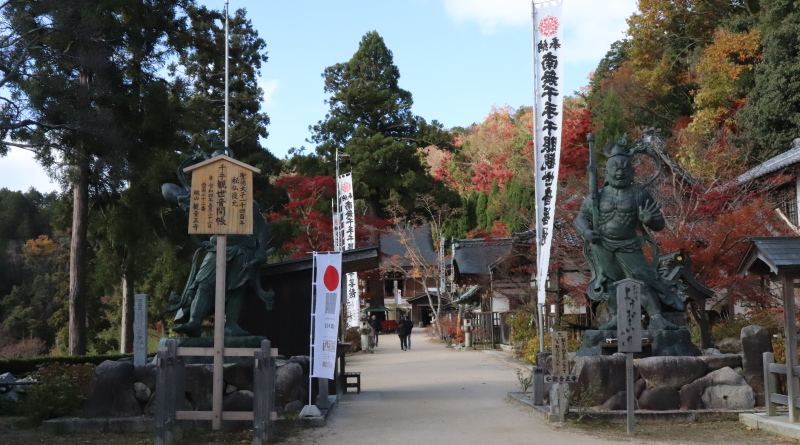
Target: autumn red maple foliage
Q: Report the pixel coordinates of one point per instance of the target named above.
(314, 229)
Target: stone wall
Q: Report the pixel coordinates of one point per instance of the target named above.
(714, 380)
(121, 389)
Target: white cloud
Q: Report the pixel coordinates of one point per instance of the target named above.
(490, 14)
(591, 26)
(269, 86)
(20, 171)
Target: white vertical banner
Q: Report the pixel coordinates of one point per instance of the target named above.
(353, 302)
(548, 69)
(347, 239)
(347, 208)
(328, 285)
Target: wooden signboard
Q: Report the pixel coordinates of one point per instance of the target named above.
(629, 315)
(221, 197)
(560, 357)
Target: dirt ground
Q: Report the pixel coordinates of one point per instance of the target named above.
(435, 395)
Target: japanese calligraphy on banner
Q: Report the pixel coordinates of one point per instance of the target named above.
(328, 284)
(548, 66)
(353, 302)
(347, 206)
(221, 198)
(347, 241)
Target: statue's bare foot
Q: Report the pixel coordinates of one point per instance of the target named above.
(190, 329)
(659, 323)
(610, 326)
(233, 330)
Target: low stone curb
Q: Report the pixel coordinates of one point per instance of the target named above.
(678, 416)
(510, 360)
(142, 424)
(778, 425)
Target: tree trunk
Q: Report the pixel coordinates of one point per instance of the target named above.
(126, 342)
(77, 261)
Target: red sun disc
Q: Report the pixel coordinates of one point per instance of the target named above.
(331, 278)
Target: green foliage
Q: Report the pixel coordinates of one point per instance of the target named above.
(493, 204)
(370, 119)
(480, 210)
(21, 367)
(611, 120)
(53, 399)
(771, 117)
(731, 327)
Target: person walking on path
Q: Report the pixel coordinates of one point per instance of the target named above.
(409, 327)
(376, 329)
(402, 332)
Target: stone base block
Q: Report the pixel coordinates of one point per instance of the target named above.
(663, 343)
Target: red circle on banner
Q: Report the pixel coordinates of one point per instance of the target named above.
(331, 278)
(346, 187)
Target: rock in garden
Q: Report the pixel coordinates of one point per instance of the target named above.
(729, 345)
(618, 401)
(719, 361)
(238, 401)
(142, 392)
(711, 351)
(671, 371)
(662, 398)
(600, 377)
(198, 385)
(696, 395)
(293, 407)
(638, 387)
(111, 393)
(240, 374)
(755, 342)
(150, 406)
(146, 374)
(729, 397)
(9, 392)
(288, 379)
(230, 389)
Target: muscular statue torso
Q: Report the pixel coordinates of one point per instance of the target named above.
(618, 213)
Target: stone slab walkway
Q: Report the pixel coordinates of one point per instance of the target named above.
(431, 394)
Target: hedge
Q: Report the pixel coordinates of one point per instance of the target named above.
(19, 367)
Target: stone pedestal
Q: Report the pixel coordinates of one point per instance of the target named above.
(252, 341)
(663, 343)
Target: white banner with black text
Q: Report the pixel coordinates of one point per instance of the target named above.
(548, 64)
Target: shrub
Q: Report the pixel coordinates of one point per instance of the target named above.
(731, 327)
(21, 366)
(61, 391)
(26, 348)
(53, 399)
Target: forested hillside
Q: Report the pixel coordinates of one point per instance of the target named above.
(111, 110)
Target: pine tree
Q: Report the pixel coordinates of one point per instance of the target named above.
(370, 119)
(493, 204)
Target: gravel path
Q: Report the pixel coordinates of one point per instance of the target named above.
(435, 395)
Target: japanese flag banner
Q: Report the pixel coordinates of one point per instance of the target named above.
(327, 286)
(548, 96)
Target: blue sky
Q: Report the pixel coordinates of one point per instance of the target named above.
(456, 57)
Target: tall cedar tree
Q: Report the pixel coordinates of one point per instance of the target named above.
(202, 87)
(370, 119)
(76, 81)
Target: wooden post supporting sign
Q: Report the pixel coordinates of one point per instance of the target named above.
(629, 334)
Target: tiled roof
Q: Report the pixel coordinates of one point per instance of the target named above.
(474, 256)
(421, 235)
(772, 165)
(774, 252)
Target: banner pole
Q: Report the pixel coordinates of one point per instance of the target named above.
(313, 319)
